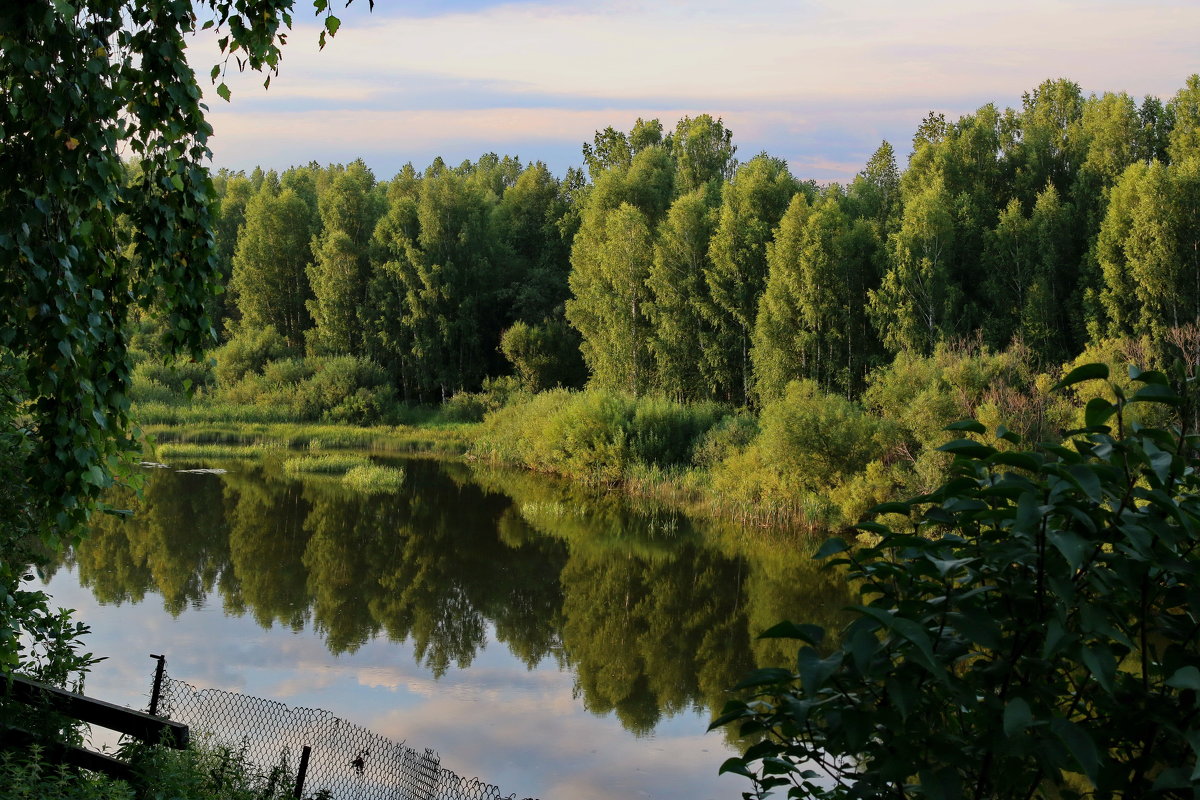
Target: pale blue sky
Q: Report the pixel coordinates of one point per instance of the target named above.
(815, 82)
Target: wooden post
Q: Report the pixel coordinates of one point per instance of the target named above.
(156, 692)
(302, 772)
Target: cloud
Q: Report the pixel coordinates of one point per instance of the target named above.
(818, 83)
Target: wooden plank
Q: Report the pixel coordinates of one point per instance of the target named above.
(153, 730)
(67, 753)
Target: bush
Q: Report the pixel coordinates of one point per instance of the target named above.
(248, 351)
(664, 433)
(1031, 632)
(729, 436)
(596, 436)
(176, 376)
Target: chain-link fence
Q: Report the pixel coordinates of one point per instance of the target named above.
(345, 761)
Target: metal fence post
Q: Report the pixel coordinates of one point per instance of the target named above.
(302, 772)
(156, 692)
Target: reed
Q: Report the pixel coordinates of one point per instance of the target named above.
(374, 478)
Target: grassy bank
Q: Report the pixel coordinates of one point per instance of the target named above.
(232, 439)
(805, 458)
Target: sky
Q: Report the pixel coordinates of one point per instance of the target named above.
(819, 83)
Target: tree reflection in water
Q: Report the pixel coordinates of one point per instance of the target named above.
(654, 614)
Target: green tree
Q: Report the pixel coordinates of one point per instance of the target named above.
(234, 192)
(751, 207)
(1043, 146)
(914, 306)
(87, 84)
(528, 219)
(703, 151)
(875, 192)
(1149, 249)
(1184, 110)
(448, 272)
(676, 283)
(609, 305)
(269, 283)
(1030, 267)
(545, 355)
(340, 270)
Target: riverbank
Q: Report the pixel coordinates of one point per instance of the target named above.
(808, 459)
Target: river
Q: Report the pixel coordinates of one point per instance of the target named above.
(560, 644)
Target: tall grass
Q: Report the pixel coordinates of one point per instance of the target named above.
(374, 478)
(445, 440)
(327, 464)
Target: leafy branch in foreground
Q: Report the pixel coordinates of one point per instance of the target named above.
(1034, 634)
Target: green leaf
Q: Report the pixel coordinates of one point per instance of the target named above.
(1079, 745)
(1100, 662)
(974, 426)
(332, 24)
(1025, 461)
(767, 676)
(1007, 435)
(1098, 412)
(223, 91)
(967, 449)
(1088, 372)
(912, 632)
(1156, 393)
(831, 547)
(1087, 480)
(1070, 545)
(1017, 717)
(812, 634)
(736, 766)
(890, 508)
(1185, 678)
(1147, 376)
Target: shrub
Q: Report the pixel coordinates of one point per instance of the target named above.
(465, 407)
(730, 435)
(664, 433)
(248, 351)
(1031, 632)
(176, 376)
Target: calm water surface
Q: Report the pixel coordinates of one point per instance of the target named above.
(559, 644)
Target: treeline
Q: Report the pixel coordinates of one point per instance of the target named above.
(673, 269)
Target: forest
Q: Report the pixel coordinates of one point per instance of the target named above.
(667, 309)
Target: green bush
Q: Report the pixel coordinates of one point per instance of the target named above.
(465, 407)
(176, 376)
(1030, 630)
(596, 436)
(664, 433)
(248, 351)
(731, 435)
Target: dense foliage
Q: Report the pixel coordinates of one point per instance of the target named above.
(683, 273)
(1028, 629)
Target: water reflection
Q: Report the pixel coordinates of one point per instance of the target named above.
(652, 614)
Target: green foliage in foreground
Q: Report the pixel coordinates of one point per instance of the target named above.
(204, 772)
(1034, 634)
